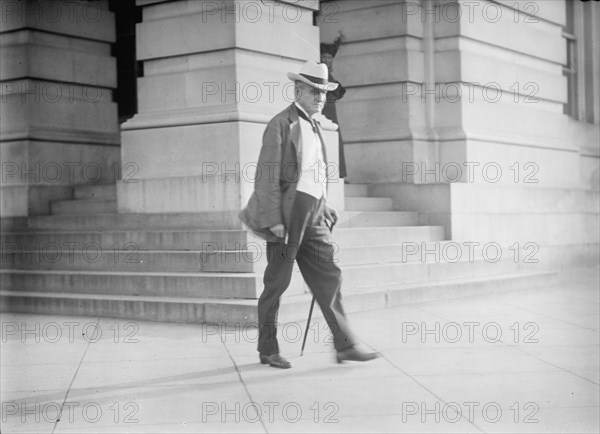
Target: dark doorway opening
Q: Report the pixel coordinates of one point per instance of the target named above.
(127, 14)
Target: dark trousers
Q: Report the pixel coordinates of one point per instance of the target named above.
(310, 246)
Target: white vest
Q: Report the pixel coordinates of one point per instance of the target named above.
(313, 171)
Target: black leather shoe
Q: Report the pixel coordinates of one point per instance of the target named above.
(354, 355)
(275, 360)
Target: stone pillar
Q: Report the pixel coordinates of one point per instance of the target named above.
(58, 125)
(214, 74)
(382, 65)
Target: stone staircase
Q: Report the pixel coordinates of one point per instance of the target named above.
(86, 259)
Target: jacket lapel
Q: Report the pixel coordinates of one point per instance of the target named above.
(322, 141)
(295, 133)
(324, 154)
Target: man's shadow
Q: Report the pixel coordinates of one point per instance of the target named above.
(159, 386)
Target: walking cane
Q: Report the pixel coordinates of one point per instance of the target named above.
(312, 305)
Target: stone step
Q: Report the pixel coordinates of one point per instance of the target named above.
(184, 261)
(80, 222)
(441, 254)
(228, 261)
(369, 204)
(347, 237)
(296, 308)
(95, 192)
(356, 190)
(83, 206)
(377, 218)
(206, 220)
(243, 312)
(127, 239)
(206, 285)
(360, 278)
(109, 191)
(201, 239)
(144, 281)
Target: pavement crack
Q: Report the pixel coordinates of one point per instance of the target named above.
(239, 374)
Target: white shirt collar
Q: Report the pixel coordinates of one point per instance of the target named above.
(299, 107)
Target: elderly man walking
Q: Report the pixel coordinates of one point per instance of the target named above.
(289, 209)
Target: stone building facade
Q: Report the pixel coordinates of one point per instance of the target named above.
(481, 116)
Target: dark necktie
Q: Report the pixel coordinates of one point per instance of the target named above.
(310, 121)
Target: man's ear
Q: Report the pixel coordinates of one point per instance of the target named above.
(298, 89)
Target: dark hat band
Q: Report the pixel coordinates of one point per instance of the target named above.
(315, 80)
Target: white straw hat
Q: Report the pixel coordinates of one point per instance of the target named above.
(315, 75)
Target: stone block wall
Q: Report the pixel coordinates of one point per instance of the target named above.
(466, 102)
(58, 125)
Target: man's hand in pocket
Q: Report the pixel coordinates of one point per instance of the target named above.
(278, 230)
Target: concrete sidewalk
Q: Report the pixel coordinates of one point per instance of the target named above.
(512, 362)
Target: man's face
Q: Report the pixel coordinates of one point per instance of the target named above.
(310, 98)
